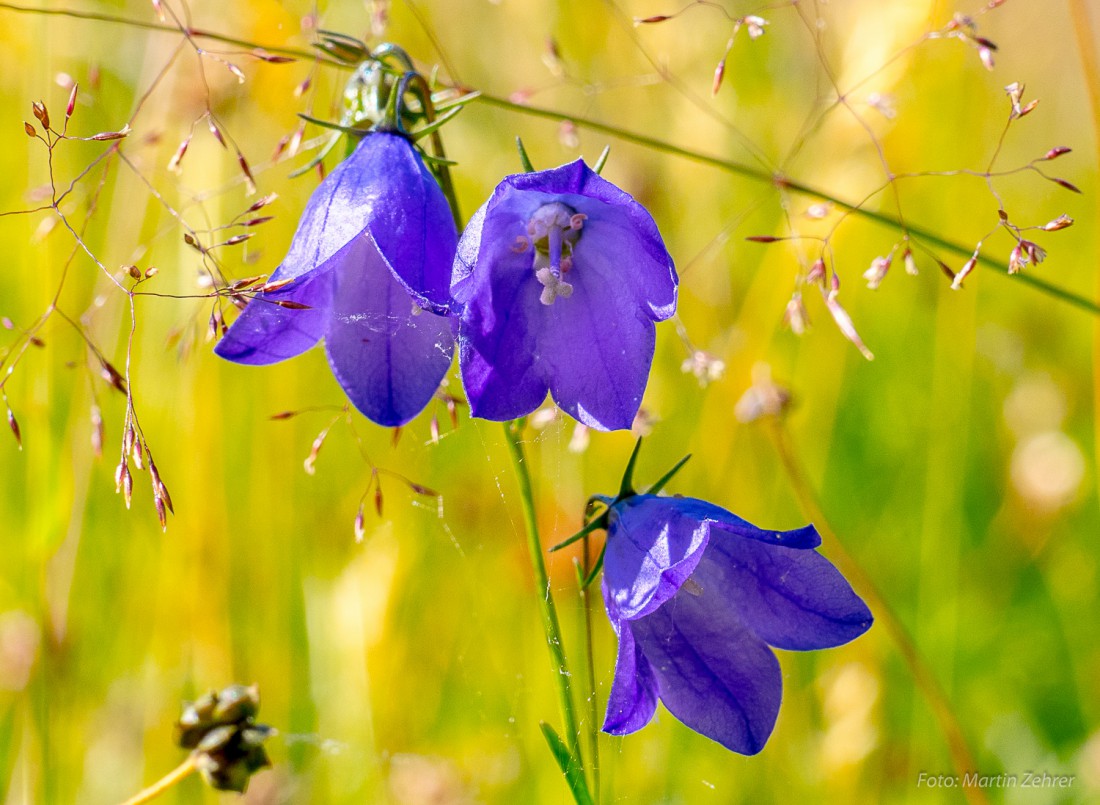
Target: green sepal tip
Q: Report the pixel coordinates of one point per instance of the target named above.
(328, 124)
(664, 479)
(524, 160)
(592, 525)
(598, 167)
(626, 488)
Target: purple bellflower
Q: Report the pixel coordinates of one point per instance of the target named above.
(371, 260)
(698, 596)
(559, 279)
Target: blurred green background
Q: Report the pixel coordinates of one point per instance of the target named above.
(957, 468)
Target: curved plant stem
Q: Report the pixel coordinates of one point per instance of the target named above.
(199, 33)
(962, 758)
(442, 172)
(593, 713)
(181, 772)
(786, 183)
(547, 610)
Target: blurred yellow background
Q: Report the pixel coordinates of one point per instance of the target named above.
(957, 468)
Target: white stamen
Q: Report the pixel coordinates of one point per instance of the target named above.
(553, 229)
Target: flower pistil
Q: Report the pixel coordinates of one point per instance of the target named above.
(554, 229)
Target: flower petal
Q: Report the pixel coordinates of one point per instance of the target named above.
(801, 538)
(384, 188)
(633, 698)
(714, 674)
(623, 229)
(612, 247)
(592, 350)
(499, 322)
(499, 366)
(793, 599)
(410, 220)
(267, 333)
(652, 547)
(463, 279)
(486, 264)
(597, 348)
(388, 360)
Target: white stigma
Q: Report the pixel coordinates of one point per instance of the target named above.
(553, 230)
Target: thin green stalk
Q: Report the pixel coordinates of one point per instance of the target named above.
(547, 609)
(593, 730)
(962, 758)
(787, 183)
(197, 33)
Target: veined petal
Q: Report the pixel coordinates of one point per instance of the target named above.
(619, 232)
(382, 188)
(499, 384)
(793, 599)
(410, 220)
(725, 521)
(486, 257)
(337, 212)
(652, 548)
(714, 674)
(267, 333)
(611, 247)
(591, 344)
(498, 328)
(633, 697)
(465, 262)
(597, 348)
(388, 360)
(592, 351)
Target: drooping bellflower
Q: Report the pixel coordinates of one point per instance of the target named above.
(698, 598)
(372, 261)
(559, 280)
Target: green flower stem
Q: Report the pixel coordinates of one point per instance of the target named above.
(181, 772)
(547, 609)
(593, 730)
(442, 172)
(962, 758)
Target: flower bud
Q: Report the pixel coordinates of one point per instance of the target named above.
(1016, 259)
(910, 263)
(877, 272)
(1061, 222)
(237, 702)
(968, 266)
(40, 112)
(216, 738)
(795, 315)
(817, 272)
(14, 425)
